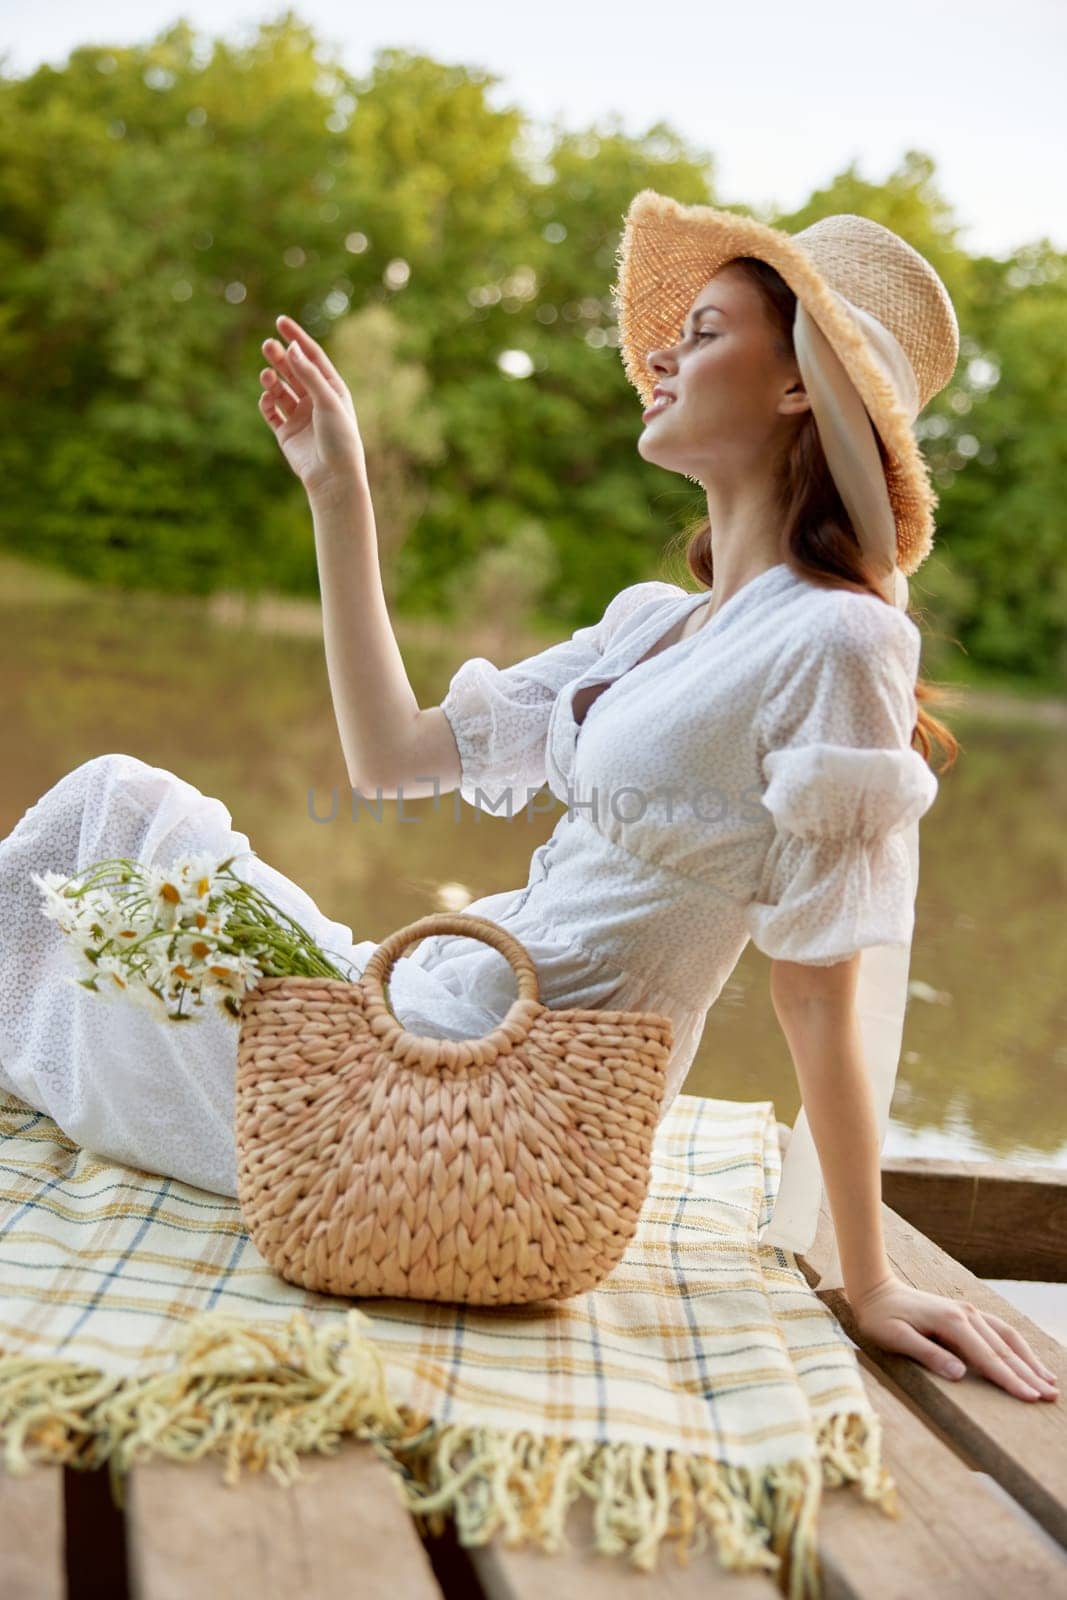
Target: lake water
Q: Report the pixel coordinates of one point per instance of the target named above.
(244, 713)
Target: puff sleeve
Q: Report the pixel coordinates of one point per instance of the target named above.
(843, 785)
(499, 716)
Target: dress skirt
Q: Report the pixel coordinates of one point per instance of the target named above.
(139, 1089)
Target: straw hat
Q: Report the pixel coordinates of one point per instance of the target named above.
(876, 338)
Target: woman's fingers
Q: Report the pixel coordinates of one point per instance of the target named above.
(311, 348)
(316, 383)
(962, 1327)
(281, 394)
(270, 411)
(276, 353)
(1012, 1346)
(910, 1342)
(1017, 1342)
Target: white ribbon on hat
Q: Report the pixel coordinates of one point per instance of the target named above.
(847, 434)
(847, 437)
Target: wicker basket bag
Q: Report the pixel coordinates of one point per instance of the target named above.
(492, 1171)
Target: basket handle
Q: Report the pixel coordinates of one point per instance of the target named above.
(415, 1050)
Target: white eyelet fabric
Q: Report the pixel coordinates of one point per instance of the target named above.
(842, 784)
(500, 715)
(754, 780)
(156, 1095)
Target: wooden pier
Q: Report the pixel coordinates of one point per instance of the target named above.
(982, 1476)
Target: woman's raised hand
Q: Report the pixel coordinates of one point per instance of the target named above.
(308, 408)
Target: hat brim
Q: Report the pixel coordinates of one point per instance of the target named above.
(668, 250)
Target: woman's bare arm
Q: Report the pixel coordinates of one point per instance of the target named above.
(387, 740)
(389, 743)
(816, 1009)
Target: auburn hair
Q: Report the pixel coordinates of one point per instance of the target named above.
(819, 542)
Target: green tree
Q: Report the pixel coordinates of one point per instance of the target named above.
(159, 206)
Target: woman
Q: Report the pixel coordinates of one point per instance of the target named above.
(657, 726)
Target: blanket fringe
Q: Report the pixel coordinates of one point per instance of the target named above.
(264, 1394)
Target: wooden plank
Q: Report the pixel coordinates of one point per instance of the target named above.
(340, 1530)
(32, 1562)
(954, 1536)
(1021, 1444)
(997, 1219)
(583, 1573)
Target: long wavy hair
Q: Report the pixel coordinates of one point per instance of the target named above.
(819, 542)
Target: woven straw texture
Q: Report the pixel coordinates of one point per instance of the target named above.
(701, 1396)
(495, 1171)
(668, 251)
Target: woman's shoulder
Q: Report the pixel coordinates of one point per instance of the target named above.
(848, 623)
(643, 597)
(640, 594)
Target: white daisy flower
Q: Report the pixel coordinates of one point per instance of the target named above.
(196, 876)
(165, 892)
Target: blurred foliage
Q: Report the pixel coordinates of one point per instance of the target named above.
(161, 204)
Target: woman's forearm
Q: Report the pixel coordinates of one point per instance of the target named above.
(374, 703)
(822, 1031)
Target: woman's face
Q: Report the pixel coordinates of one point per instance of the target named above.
(735, 393)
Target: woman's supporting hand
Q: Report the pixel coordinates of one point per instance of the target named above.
(895, 1316)
(309, 409)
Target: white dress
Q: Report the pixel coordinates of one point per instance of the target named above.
(754, 780)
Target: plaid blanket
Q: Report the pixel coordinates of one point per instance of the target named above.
(702, 1388)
